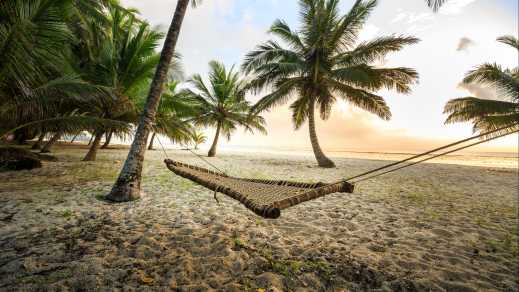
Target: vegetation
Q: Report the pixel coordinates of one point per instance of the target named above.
(174, 109)
(37, 81)
(490, 114)
(435, 4)
(223, 104)
(128, 185)
(198, 138)
(321, 62)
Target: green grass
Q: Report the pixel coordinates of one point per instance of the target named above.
(67, 214)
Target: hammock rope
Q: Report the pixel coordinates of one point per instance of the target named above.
(267, 198)
(436, 156)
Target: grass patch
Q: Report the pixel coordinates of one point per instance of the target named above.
(67, 214)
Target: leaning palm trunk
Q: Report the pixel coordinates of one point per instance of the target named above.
(212, 151)
(150, 147)
(37, 144)
(108, 140)
(322, 160)
(92, 152)
(74, 138)
(91, 139)
(128, 184)
(50, 143)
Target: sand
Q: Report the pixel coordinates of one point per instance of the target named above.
(434, 227)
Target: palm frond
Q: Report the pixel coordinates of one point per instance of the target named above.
(495, 76)
(435, 4)
(509, 40)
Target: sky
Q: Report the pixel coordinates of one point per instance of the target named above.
(453, 41)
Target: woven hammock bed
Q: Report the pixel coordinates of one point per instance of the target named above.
(266, 198)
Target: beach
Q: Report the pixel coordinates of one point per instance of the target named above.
(431, 227)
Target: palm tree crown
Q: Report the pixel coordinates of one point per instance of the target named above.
(175, 108)
(490, 114)
(223, 104)
(322, 61)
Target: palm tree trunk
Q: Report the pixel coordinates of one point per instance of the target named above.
(91, 139)
(212, 151)
(108, 140)
(151, 141)
(74, 138)
(92, 152)
(37, 144)
(51, 142)
(20, 137)
(128, 184)
(322, 160)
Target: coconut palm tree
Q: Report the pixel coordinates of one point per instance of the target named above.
(175, 108)
(38, 85)
(322, 62)
(223, 104)
(123, 62)
(128, 184)
(198, 138)
(490, 114)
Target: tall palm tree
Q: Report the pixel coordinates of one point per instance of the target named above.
(128, 184)
(322, 61)
(490, 114)
(223, 104)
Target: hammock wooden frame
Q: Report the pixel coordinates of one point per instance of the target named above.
(266, 198)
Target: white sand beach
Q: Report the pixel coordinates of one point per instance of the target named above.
(433, 227)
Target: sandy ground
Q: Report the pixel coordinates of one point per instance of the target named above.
(433, 227)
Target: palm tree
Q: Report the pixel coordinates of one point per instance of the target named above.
(123, 62)
(198, 138)
(175, 107)
(39, 89)
(223, 104)
(128, 184)
(322, 62)
(490, 114)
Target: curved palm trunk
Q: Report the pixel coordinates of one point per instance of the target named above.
(37, 144)
(150, 147)
(92, 152)
(108, 140)
(91, 139)
(128, 184)
(322, 160)
(212, 151)
(50, 143)
(74, 138)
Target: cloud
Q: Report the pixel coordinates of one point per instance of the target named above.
(464, 44)
(453, 7)
(412, 17)
(413, 22)
(478, 90)
(368, 32)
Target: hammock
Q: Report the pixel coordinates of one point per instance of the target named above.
(266, 198)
